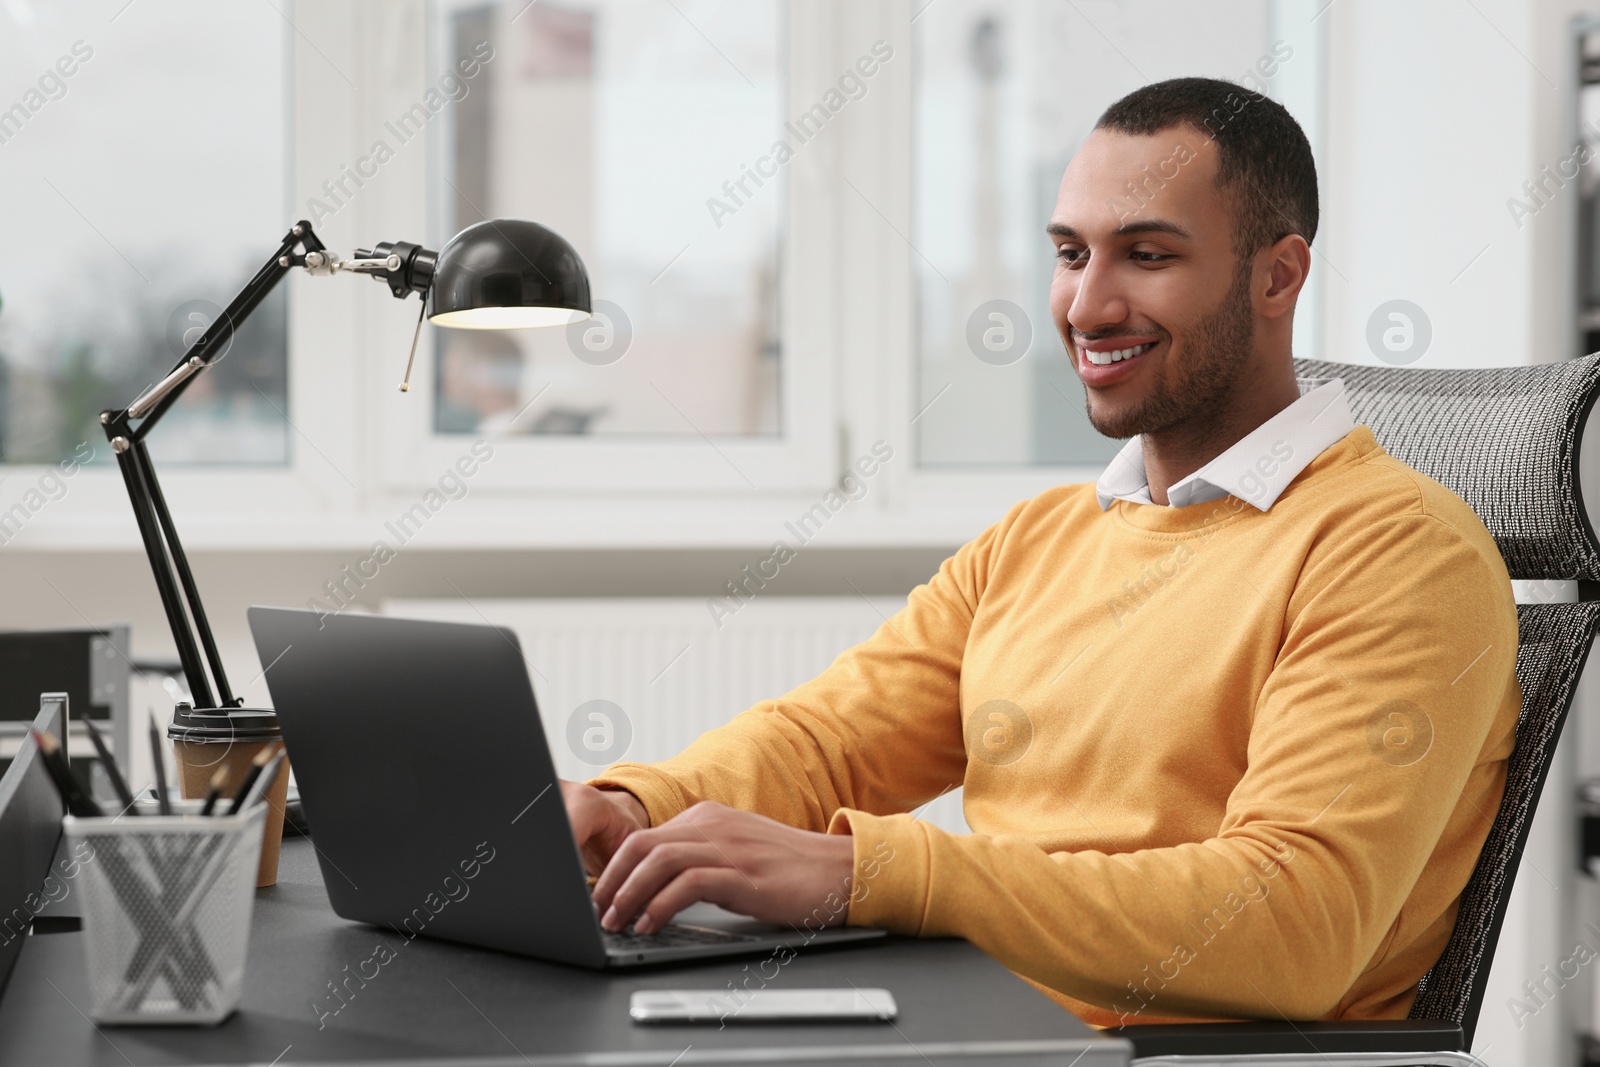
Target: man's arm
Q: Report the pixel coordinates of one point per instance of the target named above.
(880, 730)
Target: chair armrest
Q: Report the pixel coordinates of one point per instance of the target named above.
(1279, 1038)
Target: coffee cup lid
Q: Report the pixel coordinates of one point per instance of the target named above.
(221, 725)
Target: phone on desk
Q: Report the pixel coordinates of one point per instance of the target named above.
(763, 1005)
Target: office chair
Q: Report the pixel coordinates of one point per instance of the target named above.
(1507, 440)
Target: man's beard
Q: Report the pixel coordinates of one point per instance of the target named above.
(1218, 350)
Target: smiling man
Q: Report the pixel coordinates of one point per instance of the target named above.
(1232, 722)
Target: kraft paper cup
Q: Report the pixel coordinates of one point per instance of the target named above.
(205, 740)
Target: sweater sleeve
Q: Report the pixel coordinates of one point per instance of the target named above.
(841, 740)
(1397, 650)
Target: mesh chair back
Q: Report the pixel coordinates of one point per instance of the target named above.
(1553, 642)
(1506, 440)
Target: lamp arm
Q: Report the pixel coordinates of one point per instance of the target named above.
(155, 401)
(405, 267)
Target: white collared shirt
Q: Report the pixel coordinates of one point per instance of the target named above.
(1257, 468)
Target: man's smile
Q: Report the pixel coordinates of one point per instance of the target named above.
(1109, 361)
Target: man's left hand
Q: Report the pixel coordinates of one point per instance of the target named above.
(744, 862)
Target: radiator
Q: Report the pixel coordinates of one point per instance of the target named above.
(640, 678)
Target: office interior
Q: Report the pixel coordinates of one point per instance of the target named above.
(797, 219)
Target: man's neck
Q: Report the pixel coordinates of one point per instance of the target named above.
(1173, 454)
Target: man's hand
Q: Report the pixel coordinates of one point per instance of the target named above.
(601, 819)
(746, 863)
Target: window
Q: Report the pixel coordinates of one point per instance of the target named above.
(765, 316)
(644, 133)
(631, 128)
(150, 205)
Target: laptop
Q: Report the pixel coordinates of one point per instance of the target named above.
(428, 785)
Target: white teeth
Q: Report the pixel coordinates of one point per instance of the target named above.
(1102, 359)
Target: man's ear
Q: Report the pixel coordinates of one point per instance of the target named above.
(1286, 262)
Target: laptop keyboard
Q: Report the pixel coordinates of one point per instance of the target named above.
(672, 935)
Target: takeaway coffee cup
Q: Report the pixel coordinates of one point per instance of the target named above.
(206, 739)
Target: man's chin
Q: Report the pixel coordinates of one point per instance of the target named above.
(1118, 425)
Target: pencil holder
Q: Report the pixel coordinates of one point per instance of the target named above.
(167, 901)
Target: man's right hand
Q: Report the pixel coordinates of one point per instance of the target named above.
(601, 819)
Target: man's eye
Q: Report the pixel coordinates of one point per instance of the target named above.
(1072, 256)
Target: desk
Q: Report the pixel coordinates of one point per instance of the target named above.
(436, 1003)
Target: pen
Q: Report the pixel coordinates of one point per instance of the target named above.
(120, 786)
(162, 800)
(218, 780)
(73, 796)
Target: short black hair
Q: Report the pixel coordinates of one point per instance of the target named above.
(1264, 167)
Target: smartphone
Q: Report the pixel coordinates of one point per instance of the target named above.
(762, 1005)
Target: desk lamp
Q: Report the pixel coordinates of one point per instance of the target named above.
(497, 275)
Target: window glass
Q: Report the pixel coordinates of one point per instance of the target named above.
(148, 142)
(631, 128)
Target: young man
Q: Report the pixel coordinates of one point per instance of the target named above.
(1232, 722)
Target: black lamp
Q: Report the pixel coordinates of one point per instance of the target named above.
(497, 274)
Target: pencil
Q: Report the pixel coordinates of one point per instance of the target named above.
(250, 777)
(73, 797)
(163, 801)
(118, 785)
(263, 784)
(218, 780)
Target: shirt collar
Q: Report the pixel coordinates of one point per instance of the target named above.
(1257, 468)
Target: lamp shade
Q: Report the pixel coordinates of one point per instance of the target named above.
(506, 274)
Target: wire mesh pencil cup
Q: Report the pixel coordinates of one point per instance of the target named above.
(167, 901)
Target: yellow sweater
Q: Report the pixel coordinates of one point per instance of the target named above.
(1218, 762)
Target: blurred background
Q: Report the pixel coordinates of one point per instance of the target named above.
(800, 220)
